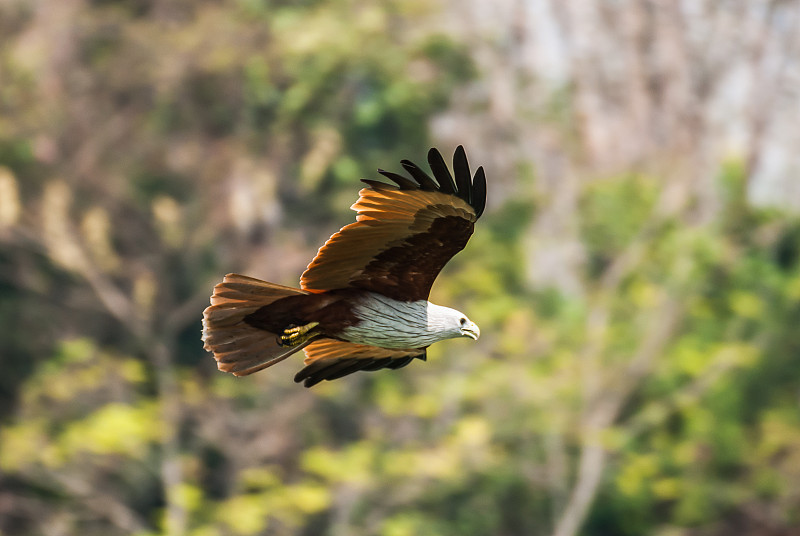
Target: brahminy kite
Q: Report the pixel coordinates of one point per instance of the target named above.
(363, 301)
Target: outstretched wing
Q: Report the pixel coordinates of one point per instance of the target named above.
(329, 359)
(405, 234)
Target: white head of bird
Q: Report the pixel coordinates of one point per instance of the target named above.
(451, 323)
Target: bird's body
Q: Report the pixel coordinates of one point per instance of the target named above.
(389, 323)
(363, 302)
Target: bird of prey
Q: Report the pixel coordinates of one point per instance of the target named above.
(363, 301)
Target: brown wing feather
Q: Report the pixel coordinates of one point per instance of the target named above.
(404, 234)
(330, 359)
(398, 245)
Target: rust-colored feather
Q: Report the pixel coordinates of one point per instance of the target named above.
(404, 233)
(239, 347)
(408, 234)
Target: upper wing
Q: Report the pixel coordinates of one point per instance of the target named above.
(329, 359)
(403, 235)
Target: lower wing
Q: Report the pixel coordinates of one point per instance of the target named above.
(330, 359)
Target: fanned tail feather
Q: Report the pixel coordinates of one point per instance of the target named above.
(238, 347)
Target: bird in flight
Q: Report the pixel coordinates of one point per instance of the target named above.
(363, 301)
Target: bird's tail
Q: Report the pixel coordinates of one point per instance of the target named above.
(239, 347)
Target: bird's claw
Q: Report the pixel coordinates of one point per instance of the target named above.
(295, 335)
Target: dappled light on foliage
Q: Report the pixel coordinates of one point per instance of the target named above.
(636, 275)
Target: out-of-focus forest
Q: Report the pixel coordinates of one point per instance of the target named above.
(636, 275)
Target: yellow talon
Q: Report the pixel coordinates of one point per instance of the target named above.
(297, 335)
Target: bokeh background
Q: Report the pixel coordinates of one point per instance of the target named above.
(636, 275)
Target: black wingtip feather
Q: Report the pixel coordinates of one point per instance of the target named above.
(472, 191)
(378, 185)
(402, 182)
(479, 192)
(440, 172)
(425, 182)
(461, 171)
(400, 363)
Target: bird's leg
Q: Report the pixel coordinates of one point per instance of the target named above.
(295, 335)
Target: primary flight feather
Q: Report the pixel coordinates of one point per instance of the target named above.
(363, 301)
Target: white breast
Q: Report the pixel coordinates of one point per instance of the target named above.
(389, 323)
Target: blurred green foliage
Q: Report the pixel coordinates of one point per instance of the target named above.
(682, 367)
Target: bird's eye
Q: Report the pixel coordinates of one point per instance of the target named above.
(463, 321)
